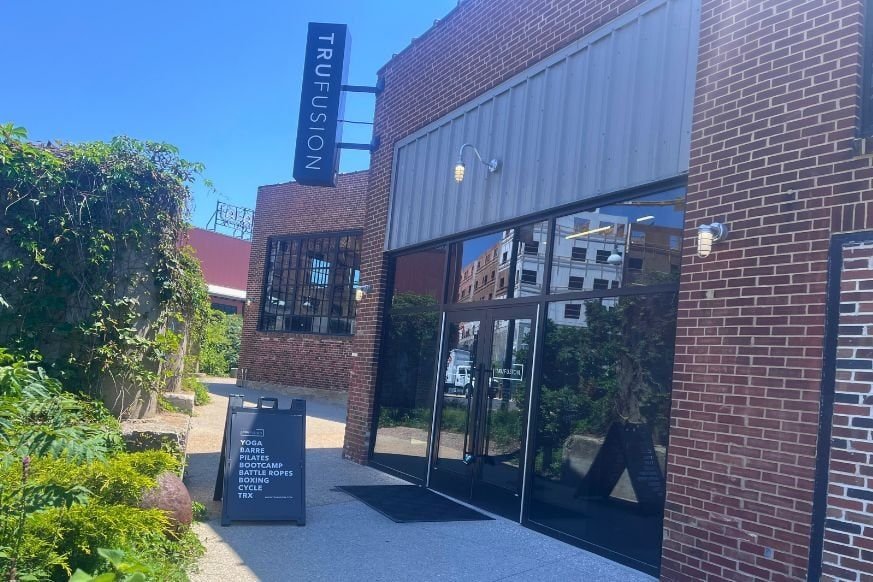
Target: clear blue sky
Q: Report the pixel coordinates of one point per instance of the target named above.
(219, 79)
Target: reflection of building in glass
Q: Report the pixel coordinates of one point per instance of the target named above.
(580, 263)
(418, 277)
(468, 333)
(526, 246)
(652, 249)
(500, 340)
(512, 266)
(484, 275)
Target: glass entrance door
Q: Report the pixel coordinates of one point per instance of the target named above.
(482, 410)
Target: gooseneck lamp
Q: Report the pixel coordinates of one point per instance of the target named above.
(492, 166)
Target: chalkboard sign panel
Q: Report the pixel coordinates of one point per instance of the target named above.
(263, 463)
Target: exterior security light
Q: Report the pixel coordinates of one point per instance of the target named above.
(362, 290)
(492, 166)
(708, 234)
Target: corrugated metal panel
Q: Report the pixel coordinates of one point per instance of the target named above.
(610, 112)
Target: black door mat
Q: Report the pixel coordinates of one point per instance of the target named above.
(409, 503)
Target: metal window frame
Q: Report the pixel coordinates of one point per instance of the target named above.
(332, 240)
(828, 394)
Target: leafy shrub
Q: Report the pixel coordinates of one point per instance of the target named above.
(125, 569)
(37, 417)
(201, 513)
(95, 506)
(201, 393)
(219, 349)
(75, 534)
(66, 490)
(120, 479)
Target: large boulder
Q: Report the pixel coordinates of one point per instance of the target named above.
(170, 495)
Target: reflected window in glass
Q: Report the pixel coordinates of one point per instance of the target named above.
(528, 277)
(492, 266)
(577, 283)
(645, 232)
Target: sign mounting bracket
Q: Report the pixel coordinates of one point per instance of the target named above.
(370, 147)
(380, 86)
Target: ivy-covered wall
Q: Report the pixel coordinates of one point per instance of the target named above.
(92, 272)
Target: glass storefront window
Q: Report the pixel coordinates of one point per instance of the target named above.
(637, 242)
(405, 394)
(501, 265)
(602, 422)
(598, 432)
(419, 278)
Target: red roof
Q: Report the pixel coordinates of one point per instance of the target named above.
(224, 259)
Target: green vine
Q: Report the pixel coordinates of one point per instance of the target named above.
(92, 273)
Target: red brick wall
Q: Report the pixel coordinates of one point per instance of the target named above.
(776, 110)
(848, 537)
(292, 359)
(475, 47)
(776, 113)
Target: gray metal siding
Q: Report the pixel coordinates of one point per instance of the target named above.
(610, 112)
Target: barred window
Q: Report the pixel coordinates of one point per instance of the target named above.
(310, 284)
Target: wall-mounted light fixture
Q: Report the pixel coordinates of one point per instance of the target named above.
(492, 166)
(614, 258)
(708, 234)
(361, 290)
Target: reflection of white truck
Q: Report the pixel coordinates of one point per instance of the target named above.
(458, 370)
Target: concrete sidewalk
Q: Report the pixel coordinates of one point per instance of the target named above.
(344, 540)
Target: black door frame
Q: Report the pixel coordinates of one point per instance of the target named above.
(486, 316)
(827, 395)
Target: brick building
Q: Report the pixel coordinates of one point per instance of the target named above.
(298, 328)
(695, 417)
(224, 261)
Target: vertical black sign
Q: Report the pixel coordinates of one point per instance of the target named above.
(264, 464)
(316, 158)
